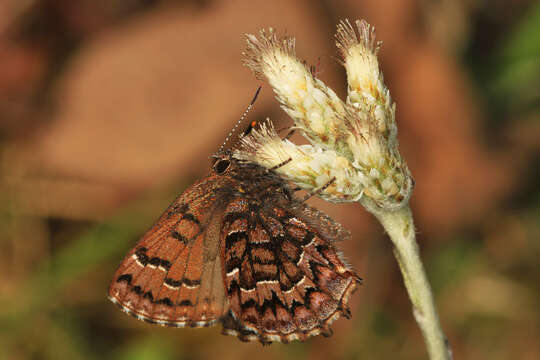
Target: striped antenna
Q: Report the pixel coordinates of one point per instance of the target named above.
(241, 119)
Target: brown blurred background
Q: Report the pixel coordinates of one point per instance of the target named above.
(110, 108)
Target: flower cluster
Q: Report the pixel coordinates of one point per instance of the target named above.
(353, 154)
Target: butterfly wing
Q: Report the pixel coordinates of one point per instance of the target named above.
(173, 275)
(284, 278)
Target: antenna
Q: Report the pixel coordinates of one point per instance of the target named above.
(241, 118)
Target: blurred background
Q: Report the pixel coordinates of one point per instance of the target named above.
(110, 108)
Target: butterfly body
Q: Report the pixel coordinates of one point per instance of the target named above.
(238, 248)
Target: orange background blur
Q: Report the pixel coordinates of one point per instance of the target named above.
(110, 108)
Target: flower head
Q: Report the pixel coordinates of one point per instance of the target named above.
(353, 153)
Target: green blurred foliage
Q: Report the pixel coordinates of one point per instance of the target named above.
(516, 75)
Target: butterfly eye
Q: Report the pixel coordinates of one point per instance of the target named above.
(221, 166)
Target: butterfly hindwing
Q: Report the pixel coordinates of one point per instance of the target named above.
(284, 278)
(173, 275)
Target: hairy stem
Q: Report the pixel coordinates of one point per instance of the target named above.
(400, 227)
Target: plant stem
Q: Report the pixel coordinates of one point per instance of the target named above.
(400, 227)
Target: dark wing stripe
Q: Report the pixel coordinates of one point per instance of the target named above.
(175, 234)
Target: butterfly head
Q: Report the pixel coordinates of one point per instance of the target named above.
(222, 162)
(246, 177)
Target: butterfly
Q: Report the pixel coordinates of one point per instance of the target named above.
(238, 247)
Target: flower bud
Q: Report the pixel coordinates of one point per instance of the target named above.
(315, 108)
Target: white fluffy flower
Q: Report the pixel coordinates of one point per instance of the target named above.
(310, 167)
(353, 153)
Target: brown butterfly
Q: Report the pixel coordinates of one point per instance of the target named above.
(238, 248)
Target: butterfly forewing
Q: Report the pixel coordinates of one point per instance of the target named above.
(173, 276)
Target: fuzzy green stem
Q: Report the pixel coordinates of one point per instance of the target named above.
(400, 227)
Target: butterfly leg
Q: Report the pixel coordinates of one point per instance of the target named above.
(281, 164)
(289, 134)
(319, 190)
